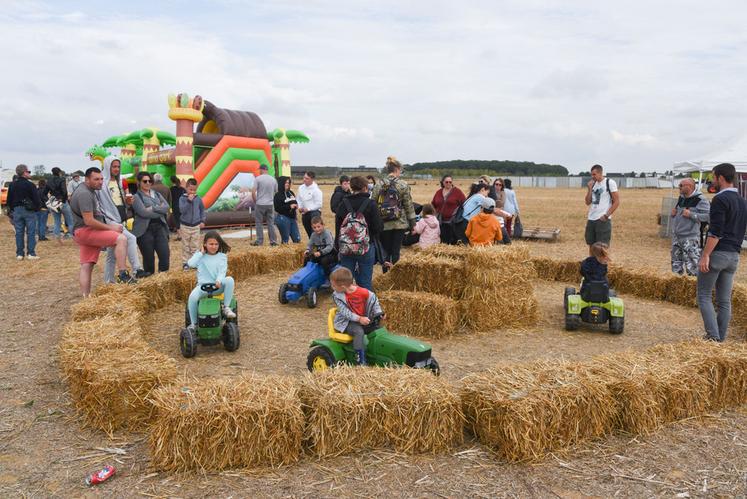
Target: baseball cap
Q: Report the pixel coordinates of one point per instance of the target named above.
(263, 167)
(488, 204)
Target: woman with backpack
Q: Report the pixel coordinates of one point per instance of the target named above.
(446, 201)
(359, 225)
(392, 195)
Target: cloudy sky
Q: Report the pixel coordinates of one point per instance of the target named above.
(574, 82)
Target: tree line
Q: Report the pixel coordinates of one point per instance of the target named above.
(493, 167)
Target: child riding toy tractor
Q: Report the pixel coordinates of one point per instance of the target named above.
(595, 304)
(382, 349)
(212, 325)
(304, 283)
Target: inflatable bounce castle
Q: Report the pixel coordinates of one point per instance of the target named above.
(223, 154)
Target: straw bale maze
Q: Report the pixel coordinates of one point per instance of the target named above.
(119, 380)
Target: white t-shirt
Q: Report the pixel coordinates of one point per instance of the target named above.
(601, 200)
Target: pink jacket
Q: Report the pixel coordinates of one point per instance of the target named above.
(429, 230)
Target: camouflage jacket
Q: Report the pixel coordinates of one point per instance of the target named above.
(407, 214)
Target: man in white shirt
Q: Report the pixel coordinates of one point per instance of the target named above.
(309, 200)
(602, 199)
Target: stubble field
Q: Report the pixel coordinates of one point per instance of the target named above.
(45, 452)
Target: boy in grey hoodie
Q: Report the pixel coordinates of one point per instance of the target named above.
(113, 214)
(321, 248)
(356, 306)
(692, 209)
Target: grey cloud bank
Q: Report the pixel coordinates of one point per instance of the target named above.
(634, 87)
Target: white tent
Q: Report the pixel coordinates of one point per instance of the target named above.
(736, 154)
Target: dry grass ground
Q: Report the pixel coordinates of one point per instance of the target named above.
(45, 452)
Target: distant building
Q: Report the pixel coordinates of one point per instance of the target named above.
(333, 171)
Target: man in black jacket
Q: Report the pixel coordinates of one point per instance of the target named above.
(720, 258)
(358, 201)
(24, 202)
(58, 189)
(341, 191)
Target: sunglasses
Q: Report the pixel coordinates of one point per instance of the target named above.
(448, 182)
(499, 184)
(146, 181)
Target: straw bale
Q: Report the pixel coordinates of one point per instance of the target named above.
(498, 290)
(409, 410)
(420, 314)
(682, 290)
(84, 339)
(739, 312)
(217, 424)
(549, 269)
(643, 283)
(265, 259)
(440, 275)
(525, 411)
(165, 288)
(115, 385)
(721, 369)
(124, 301)
(455, 251)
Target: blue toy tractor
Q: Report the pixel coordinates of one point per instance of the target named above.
(212, 324)
(382, 349)
(595, 304)
(304, 283)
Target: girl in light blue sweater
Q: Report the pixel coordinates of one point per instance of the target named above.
(211, 264)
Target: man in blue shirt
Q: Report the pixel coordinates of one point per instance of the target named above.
(720, 258)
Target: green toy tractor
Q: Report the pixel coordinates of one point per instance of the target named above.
(382, 349)
(212, 325)
(595, 304)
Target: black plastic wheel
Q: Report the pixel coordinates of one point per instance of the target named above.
(568, 292)
(617, 324)
(320, 359)
(311, 298)
(572, 321)
(282, 298)
(434, 367)
(231, 337)
(188, 343)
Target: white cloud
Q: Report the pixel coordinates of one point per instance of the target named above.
(631, 88)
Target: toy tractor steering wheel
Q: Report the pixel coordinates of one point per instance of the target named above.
(209, 288)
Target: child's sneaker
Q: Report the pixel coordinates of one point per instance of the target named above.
(230, 314)
(185, 267)
(32, 257)
(124, 277)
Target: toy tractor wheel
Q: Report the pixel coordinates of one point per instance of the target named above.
(572, 321)
(320, 359)
(435, 369)
(617, 324)
(188, 343)
(568, 292)
(311, 298)
(282, 298)
(231, 338)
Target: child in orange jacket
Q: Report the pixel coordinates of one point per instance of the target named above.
(484, 229)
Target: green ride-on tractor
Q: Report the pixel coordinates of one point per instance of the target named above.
(595, 304)
(382, 349)
(212, 324)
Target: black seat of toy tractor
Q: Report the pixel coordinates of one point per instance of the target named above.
(595, 291)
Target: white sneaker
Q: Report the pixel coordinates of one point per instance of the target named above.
(19, 258)
(230, 314)
(32, 257)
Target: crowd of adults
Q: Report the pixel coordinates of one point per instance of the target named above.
(372, 220)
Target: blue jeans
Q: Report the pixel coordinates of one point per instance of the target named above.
(25, 224)
(723, 265)
(226, 287)
(361, 267)
(42, 216)
(288, 228)
(67, 213)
